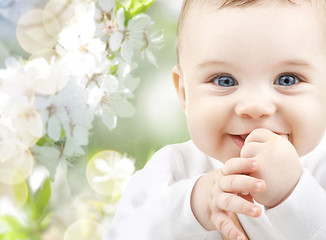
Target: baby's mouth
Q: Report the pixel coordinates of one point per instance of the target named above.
(239, 140)
(243, 136)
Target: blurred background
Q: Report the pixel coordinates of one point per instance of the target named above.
(158, 120)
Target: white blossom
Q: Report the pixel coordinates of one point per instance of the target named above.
(49, 157)
(47, 78)
(80, 49)
(118, 169)
(68, 111)
(47, 106)
(22, 123)
(15, 87)
(106, 5)
(130, 37)
(110, 99)
(153, 40)
(56, 99)
(15, 158)
(108, 172)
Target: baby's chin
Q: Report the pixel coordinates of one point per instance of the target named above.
(226, 157)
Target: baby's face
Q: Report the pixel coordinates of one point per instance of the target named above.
(254, 67)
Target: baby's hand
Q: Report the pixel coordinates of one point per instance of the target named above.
(279, 165)
(215, 196)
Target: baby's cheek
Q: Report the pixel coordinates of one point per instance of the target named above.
(305, 143)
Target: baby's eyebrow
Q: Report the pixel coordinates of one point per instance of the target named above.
(296, 63)
(287, 63)
(207, 63)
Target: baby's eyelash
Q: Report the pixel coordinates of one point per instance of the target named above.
(215, 76)
(224, 81)
(288, 79)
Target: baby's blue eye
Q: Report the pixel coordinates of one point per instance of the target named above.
(286, 80)
(225, 81)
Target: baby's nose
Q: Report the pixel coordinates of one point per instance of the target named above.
(255, 107)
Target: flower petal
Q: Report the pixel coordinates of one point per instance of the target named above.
(131, 82)
(87, 30)
(106, 5)
(151, 58)
(109, 118)
(96, 46)
(100, 179)
(72, 148)
(123, 108)
(121, 18)
(139, 22)
(81, 135)
(101, 165)
(54, 128)
(115, 41)
(48, 156)
(127, 51)
(69, 38)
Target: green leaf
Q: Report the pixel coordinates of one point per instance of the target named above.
(45, 139)
(41, 199)
(134, 7)
(14, 228)
(20, 189)
(10, 222)
(140, 6)
(49, 141)
(63, 133)
(46, 221)
(43, 194)
(36, 204)
(4, 236)
(111, 56)
(114, 69)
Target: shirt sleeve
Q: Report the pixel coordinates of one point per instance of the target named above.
(156, 204)
(303, 215)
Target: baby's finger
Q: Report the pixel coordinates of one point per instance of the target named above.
(240, 165)
(233, 203)
(241, 184)
(250, 150)
(225, 225)
(259, 135)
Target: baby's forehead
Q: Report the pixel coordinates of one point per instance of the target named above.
(191, 8)
(194, 6)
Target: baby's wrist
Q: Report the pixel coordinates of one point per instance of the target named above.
(199, 202)
(285, 197)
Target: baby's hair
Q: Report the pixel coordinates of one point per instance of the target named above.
(188, 4)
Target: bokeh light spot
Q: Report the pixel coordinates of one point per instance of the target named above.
(46, 53)
(107, 173)
(84, 229)
(17, 191)
(37, 30)
(28, 124)
(14, 158)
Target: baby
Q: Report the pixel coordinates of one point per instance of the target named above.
(251, 80)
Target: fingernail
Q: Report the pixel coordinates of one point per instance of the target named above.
(239, 238)
(259, 185)
(254, 164)
(254, 211)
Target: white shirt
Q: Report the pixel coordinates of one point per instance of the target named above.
(156, 202)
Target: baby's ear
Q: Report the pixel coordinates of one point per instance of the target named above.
(179, 86)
